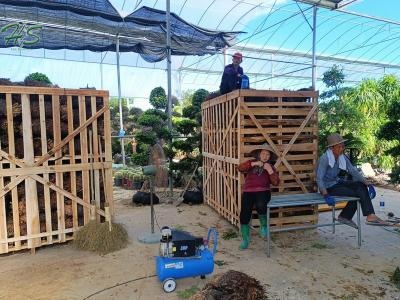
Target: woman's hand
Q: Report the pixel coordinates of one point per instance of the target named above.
(268, 168)
(257, 163)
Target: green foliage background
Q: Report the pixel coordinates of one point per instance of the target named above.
(366, 114)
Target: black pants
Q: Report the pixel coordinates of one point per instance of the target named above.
(353, 189)
(249, 199)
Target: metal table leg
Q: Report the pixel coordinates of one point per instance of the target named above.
(359, 224)
(269, 233)
(333, 219)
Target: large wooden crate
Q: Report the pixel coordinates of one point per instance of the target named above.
(50, 169)
(234, 124)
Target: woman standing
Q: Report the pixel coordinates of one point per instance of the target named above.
(260, 174)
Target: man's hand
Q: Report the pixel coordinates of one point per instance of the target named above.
(329, 200)
(268, 168)
(371, 191)
(257, 163)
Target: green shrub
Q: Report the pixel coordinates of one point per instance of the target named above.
(199, 96)
(148, 137)
(395, 175)
(141, 159)
(158, 98)
(149, 120)
(118, 174)
(186, 126)
(38, 77)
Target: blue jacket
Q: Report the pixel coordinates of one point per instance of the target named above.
(328, 177)
(230, 79)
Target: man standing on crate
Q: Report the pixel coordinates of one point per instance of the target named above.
(232, 76)
(260, 174)
(330, 166)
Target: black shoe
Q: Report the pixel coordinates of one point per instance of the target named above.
(347, 222)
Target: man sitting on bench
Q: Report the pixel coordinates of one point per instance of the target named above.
(330, 164)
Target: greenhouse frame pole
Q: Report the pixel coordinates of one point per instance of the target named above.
(314, 40)
(121, 121)
(168, 12)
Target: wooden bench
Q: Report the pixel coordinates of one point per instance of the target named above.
(291, 200)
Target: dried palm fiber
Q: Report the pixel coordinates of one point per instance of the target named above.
(5, 81)
(99, 237)
(16, 109)
(35, 108)
(16, 106)
(36, 128)
(232, 285)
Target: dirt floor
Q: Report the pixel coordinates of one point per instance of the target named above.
(311, 264)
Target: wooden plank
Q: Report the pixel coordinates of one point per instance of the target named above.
(84, 155)
(221, 158)
(51, 91)
(26, 170)
(46, 190)
(11, 150)
(32, 209)
(214, 101)
(70, 112)
(3, 218)
(35, 236)
(274, 122)
(59, 176)
(278, 130)
(267, 111)
(280, 104)
(277, 93)
(95, 156)
(280, 148)
(108, 185)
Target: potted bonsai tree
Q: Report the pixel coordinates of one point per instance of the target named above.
(118, 178)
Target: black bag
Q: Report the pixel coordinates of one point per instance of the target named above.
(144, 198)
(193, 197)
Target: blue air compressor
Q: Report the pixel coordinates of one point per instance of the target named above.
(183, 255)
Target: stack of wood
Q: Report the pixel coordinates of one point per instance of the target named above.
(69, 121)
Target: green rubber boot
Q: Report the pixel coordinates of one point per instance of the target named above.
(263, 226)
(245, 231)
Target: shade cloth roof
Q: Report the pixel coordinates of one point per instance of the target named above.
(94, 25)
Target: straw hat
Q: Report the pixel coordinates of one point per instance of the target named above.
(264, 146)
(334, 139)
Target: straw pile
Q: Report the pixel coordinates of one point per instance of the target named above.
(97, 237)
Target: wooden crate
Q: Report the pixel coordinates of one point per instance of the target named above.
(236, 123)
(46, 163)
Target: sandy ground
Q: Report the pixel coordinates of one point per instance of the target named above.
(311, 264)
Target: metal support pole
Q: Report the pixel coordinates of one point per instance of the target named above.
(151, 178)
(314, 66)
(169, 79)
(269, 232)
(101, 71)
(121, 121)
(358, 224)
(333, 219)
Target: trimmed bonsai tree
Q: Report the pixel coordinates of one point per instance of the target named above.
(188, 146)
